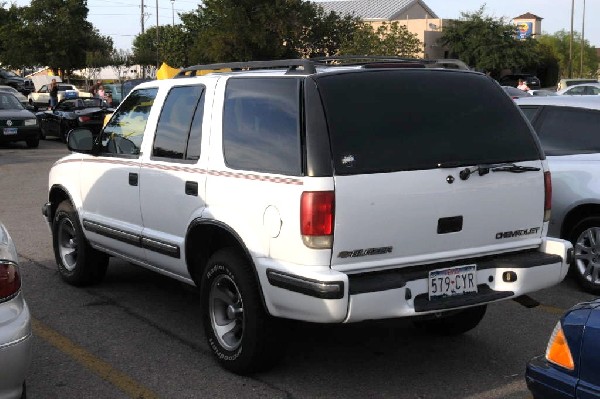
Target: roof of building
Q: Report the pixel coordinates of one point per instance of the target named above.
(374, 9)
(529, 15)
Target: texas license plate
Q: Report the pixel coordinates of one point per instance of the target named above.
(10, 130)
(452, 281)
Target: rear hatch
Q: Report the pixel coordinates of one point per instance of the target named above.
(408, 147)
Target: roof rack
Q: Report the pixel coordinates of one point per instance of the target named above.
(307, 66)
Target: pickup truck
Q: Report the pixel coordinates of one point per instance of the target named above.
(41, 98)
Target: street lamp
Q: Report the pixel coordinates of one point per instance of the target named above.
(173, 11)
(571, 41)
(582, 40)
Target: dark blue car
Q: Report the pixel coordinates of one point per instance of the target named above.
(571, 366)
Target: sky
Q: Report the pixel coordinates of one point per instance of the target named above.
(121, 19)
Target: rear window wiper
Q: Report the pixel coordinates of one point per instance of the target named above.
(484, 169)
(515, 168)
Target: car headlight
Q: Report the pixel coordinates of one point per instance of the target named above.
(30, 122)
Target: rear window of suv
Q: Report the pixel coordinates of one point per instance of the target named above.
(386, 121)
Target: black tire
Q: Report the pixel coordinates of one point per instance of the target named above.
(240, 333)
(43, 135)
(585, 237)
(78, 263)
(455, 323)
(33, 142)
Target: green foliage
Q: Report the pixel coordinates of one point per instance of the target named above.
(390, 39)
(557, 46)
(488, 43)
(55, 33)
(174, 46)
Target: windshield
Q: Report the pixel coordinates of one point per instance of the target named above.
(394, 120)
(8, 89)
(8, 101)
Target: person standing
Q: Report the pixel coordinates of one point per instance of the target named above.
(522, 85)
(94, 89)
(53, 93)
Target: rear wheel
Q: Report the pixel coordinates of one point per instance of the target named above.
(242, 336)
(454, 323)
(585, 238)
(78, 263)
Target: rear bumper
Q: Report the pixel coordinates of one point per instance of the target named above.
(328, 296)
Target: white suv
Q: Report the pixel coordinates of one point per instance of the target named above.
(330, 194)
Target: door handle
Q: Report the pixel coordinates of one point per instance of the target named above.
(191, 188)
(133, 179)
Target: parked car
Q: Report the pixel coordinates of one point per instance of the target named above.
(564, 83)
(23, 85)
(569, 131)
(15, 323)
(570, 368)
(323, 193)
(69, 114)
(9, 89)
(514, 93)
(586, 89)
(41, 98)
(542, 92)
(532, 81)
(17, 123)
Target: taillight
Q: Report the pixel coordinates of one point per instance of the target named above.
(317, 211)
(10, 281)
(84, 119)
(558, 351)
(547, 196)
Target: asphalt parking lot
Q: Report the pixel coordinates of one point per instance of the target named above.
(139, 334)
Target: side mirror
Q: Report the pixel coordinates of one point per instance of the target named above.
(80, 140)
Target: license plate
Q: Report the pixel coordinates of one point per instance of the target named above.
(452, 281)
(10, 130)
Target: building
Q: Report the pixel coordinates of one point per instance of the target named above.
(415, 15)
(528, 25)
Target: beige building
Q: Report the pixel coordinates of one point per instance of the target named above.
(414, 14)
(528, 25)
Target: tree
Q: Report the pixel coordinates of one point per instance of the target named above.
(557, 45)
(488, 44)
(390, 39)
(55, 33)
(173, 46)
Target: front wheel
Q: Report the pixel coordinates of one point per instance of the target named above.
(78, 263)
(33, 142)
(585, 238)
(454, 323)
(240, 333)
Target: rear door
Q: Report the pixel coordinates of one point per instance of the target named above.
(412, 153)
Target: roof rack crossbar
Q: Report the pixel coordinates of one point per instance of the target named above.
(307, 66)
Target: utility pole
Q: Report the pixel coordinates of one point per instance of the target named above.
(173, 12)
(143, 16)
(582, 40)
(571, 41)
(157, 40)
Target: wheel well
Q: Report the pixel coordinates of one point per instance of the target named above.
(202, 241)
(56, 196)
(575, 215)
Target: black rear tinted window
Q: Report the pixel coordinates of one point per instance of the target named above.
(383, 121)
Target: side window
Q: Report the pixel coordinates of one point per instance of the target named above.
(124, 132)
(179, 128)
(594, 91)
(261, 125)
(565, 131)
(577, 91)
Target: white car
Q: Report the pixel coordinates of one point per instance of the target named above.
(301, 190)
(41, 97)
(15, 323)
(568, 128)
(586, 89)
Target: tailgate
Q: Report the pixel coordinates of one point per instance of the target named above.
(406, 218)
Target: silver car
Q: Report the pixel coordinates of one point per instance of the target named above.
(569, 131)
(15, 323)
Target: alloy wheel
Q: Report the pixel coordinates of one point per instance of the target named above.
(587, 255)
(226, 312)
